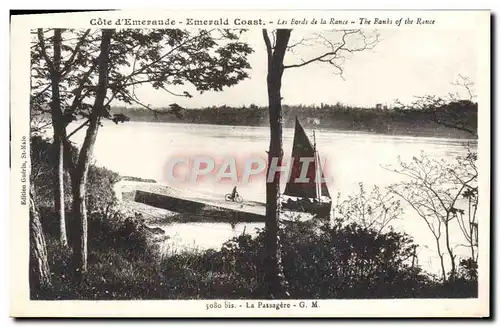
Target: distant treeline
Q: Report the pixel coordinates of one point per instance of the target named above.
(408, 121)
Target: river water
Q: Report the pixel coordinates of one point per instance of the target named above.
(144, 149)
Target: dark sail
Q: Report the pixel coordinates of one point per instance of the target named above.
(302, 148)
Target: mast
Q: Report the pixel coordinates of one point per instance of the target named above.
(317, 173)
(303, 147)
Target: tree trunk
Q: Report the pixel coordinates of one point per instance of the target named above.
(58, 125)
(79, 178)
(450, 250)
(39, 275)
(274, 277)
(472, 237)
(59, 191)
(471, 244)
(80, 225)
(441, 258)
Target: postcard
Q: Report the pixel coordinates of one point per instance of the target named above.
(273, 163)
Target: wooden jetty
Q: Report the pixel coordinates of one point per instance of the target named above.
(208, 208)
(216, 212)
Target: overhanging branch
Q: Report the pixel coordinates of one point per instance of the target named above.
(336, 48)
(70, 61)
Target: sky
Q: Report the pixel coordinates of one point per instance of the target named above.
(404, 64)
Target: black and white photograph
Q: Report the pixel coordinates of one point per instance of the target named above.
(261, 163)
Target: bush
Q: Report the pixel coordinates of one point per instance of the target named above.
(330, 262)
(339, 261)
(100, 182)
(120, 262)
(100, 193)
(44, 171)
(122, 234)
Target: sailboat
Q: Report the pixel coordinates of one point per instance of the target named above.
(309, 194)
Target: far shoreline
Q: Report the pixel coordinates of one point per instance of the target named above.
(455, 119)
(421, 132)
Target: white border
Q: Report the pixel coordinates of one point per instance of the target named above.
(336, 308)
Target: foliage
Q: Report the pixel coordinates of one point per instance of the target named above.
(77, 74)
(336, 261)
(340, 261)
(165, 58)
(468, 269)
(453, 111)
(119, 258)
(344, 260)
(43, 171)
(442, 194)
(100, 196)
(374, 210)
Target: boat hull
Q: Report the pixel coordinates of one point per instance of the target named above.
(313, 207)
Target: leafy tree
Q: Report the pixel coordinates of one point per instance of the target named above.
(467, 218)
(435, 189)
(106, 66)
(338, 46)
